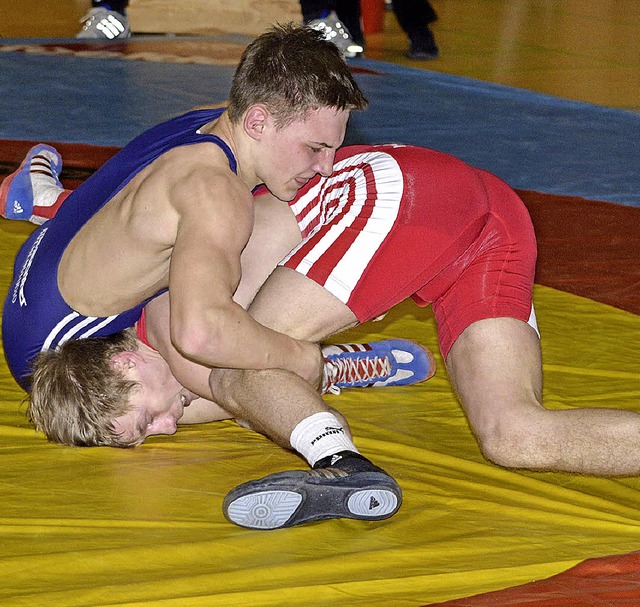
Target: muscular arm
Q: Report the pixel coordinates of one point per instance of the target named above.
(275, 233)
(207, 325)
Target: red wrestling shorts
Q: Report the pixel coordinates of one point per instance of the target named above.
(394, 222)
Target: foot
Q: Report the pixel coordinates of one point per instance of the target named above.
(423, 47)
(347, 486)
(38, 172)
(334, 30)
(391, 362)
(102, 24)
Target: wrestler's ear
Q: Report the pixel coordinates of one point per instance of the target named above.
(256, 118)
(123, 362)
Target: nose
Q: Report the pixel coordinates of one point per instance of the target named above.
(324, 164)
(166, 424)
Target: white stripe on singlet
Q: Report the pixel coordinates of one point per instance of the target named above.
(341, 200)
(67, 324)
(104, 323)
(56, 330)
(307, 210)
(76, 329)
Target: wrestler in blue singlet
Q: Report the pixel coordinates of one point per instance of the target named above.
(35, 316)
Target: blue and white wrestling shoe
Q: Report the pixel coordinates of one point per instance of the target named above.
(347, 485)
(391, 362)
(17, 192)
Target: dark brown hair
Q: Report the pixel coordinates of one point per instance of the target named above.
(292, 69)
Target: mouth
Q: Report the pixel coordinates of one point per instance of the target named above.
(302, 181)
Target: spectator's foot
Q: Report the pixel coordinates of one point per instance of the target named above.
(103, 24)
(391, 362)
(345, 485)
(335, 31)
(423, 47)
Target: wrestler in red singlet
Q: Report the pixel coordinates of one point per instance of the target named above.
(394, 222)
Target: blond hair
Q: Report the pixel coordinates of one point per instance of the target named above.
(76, 394)
(292, 69)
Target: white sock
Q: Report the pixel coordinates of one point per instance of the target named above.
(320, 435)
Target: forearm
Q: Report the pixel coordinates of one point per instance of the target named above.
(257, 347)
(231, 338)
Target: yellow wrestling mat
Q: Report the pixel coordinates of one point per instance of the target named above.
(144, 527)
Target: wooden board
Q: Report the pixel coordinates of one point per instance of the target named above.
(250, 17)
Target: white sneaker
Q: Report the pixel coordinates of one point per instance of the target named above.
(335, 31)
(102, 24)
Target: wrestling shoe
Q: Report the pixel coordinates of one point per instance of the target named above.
(102, 24)
(345, 485)
(334, 30)
(36, 176)
(391, 362)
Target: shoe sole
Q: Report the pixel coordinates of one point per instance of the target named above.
(291, 498)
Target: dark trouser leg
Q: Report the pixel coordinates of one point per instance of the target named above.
(315, 9)
(348, 12)
(414, 17)
(114, 5)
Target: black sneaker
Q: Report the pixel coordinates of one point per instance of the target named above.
(346, 486)
(423, 47)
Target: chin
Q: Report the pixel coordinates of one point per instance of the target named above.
(286, 195)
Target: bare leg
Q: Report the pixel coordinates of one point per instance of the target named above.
(276, 401)
(280, 404)
(495, 366)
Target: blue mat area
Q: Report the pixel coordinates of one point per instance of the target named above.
(532, 141)
(99, 101)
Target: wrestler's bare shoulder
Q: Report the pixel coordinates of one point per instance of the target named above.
(195, 156)
(193, 175)
(129, 241)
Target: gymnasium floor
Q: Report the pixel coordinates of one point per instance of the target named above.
(545, 94)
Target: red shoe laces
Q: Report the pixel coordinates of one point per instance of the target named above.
(350, 371)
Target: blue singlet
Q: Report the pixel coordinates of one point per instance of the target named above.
(35, 316)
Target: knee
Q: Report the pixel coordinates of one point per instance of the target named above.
(514, 443)
(508, 450)
(228, 388)
(234, 389)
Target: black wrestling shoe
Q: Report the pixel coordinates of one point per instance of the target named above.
(345, 485)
